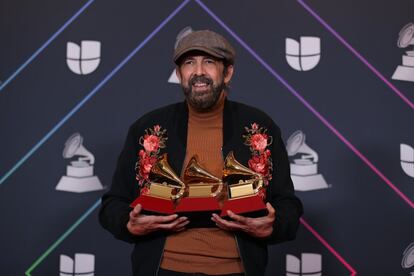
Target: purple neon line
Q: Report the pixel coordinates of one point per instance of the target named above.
(90, 94)
(355, 52)
(310, 107)
(329, 247)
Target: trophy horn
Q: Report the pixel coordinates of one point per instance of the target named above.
(234, 167)
(162, 169)
(194, 173)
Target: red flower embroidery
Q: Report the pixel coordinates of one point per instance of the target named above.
(153, 140)
(258, 140)
(151, 143)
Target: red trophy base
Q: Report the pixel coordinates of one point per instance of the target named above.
(154, 204)
(198, 210)
(252, 206)
(197, 204)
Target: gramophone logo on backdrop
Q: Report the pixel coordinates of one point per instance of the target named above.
(185, 31)
(84, 59)
(408, 258)
(303, 55)
(310, 264)
(304, 170)
(79, 176)
(83, 265)
(173, 78)
(405, 72)
(407, 159)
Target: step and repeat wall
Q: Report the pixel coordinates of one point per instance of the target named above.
(336, 76)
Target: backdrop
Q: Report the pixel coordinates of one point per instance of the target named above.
(323, 70)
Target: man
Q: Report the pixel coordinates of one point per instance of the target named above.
(209, 125)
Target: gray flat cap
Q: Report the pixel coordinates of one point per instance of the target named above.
(206, 41)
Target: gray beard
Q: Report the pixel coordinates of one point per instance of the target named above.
(206, 100)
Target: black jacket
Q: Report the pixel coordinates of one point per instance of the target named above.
(147, 254)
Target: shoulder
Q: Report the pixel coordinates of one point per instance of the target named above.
(249, 114)
(162, 116)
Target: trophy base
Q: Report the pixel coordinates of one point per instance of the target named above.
(198, 210)
(403, 73)
(309, 182)
(154, 205)
(79, 184)
(250, 206)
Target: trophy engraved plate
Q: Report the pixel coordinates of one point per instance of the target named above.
(162, 197)
(241, 189)
(161, 190)
(244, 195)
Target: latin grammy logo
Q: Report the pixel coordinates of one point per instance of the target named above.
(304, 170)
(405, 72)
(79, 176)
(408, 257)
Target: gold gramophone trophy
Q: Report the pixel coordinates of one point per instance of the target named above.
(163, 195)
(202, 189)
(244, 195)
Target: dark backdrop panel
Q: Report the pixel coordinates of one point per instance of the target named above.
(353, 119)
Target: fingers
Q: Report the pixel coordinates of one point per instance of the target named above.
(136, 211)
(271, 210)
(176, 224)
(226, 224)
(237, 218)
(164, 219)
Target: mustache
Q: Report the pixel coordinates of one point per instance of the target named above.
(203, 79)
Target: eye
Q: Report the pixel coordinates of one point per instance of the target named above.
(188, 61)
(210, 61)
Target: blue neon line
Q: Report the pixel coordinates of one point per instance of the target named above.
(91, 94)
(50, 40)
(63, 237)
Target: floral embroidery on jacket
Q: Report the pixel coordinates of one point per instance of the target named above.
(258, 140)
(154, 139)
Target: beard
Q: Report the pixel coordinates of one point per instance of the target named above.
(206, 99)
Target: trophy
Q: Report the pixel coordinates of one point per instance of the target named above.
(162, 195)
(244, 197)
(200, 198)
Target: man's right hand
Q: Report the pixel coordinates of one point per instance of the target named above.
(140, 224)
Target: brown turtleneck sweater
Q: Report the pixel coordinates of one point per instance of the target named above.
(206, 250)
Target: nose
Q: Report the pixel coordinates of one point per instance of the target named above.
(199, 69)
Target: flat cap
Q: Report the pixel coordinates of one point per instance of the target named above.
(206, 41)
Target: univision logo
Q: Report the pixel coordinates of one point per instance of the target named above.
(303, 55)
(83, 59)
(82, 265)
(310, 264)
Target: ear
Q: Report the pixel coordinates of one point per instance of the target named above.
(178, 73)
(230, 70)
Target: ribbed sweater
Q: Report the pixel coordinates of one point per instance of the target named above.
(206, 250)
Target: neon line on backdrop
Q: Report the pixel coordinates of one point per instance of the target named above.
(309, 106)
(356, 53)
(40, 50)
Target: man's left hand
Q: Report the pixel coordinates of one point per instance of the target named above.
(260, 227)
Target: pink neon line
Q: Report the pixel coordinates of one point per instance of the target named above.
(355, 52)
(306, 103)
(330, 248)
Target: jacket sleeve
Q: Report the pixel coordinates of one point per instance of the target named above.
(281, 193)
(114, 211)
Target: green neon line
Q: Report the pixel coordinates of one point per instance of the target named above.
(63, 237)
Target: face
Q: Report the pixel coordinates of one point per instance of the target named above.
(203, 80)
